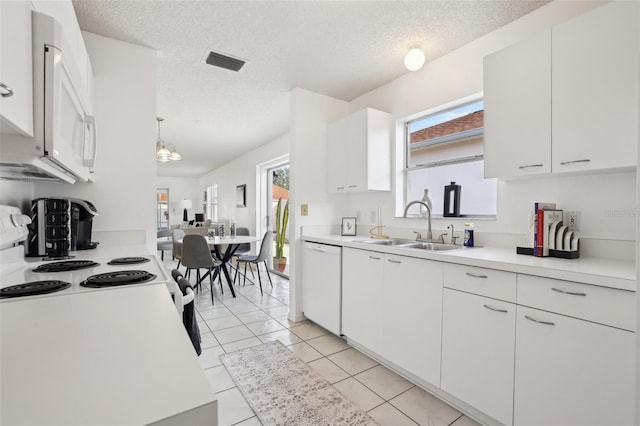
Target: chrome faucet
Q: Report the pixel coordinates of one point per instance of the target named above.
(453, 237)
(429, 234)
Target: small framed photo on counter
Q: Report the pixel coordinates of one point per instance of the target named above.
(348, 226)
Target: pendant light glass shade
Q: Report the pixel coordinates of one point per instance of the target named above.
(163, 154)
(414, 60)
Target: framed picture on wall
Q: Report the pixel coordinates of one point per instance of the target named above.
(348, 226)
(241, 196)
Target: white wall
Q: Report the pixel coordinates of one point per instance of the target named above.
(17, 194)
(124, 190)
(605, 200)
(310, 114)
(241, 171)
(181, 188)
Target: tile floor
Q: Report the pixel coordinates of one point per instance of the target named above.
(251, 319)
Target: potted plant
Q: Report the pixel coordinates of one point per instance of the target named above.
(282, 218)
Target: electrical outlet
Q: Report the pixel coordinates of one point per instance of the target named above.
(572, 220)
(304, 210)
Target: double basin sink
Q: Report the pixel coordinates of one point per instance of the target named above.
(404, 243)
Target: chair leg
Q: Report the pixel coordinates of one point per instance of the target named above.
(259, 279)
(268, 274)
(211, 283)
(178, 267)
(162, 255)
(220, 279)
(245, 274)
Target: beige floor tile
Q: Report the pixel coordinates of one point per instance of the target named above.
(265, 327)
(277, 311)
(308, 330)
(219, 378)
(465, 421)
(210, 357)
(232, 334)
(327, 369)
(388, 415)
(241, 344)
(254, 316)
(241, 308)
(328, 344)
(384, 382)
(207, 340)
(304, 351)
(358, 393)
(216, 324)
(232, 407)
(425, 409)
(284, 320)
(352, 361)
(285, 336)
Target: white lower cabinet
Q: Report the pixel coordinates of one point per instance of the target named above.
(572, 372)
(362, 290)
(413, 313)
(478, 339)
(321, 285)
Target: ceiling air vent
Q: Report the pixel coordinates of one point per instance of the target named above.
(223, 61)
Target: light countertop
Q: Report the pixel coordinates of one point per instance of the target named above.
(105, 357)
(603, 272)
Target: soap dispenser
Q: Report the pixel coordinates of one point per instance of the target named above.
(452, 200)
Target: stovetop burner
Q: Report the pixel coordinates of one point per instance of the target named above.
(128, 260)
(111, 279)
(69, 265)
(33, 288)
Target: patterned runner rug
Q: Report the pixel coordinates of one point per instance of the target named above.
(283, 390)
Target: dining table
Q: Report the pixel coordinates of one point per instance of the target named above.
(229, 244)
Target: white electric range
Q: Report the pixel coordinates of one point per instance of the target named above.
(100, 269)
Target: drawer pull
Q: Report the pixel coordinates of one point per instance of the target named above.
(573, 293)
(495, 309)
(530, 165)
(374, 258)
(393, 261)
(476, 276)
(318, 249)
(564, 163)
(6, 91)
(538, 321)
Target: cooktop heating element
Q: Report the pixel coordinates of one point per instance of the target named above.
(128, 260)
(111, 279)
(68, 265)
(33, 288)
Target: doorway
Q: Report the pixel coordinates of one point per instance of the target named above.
(162, 208)
(273, 188)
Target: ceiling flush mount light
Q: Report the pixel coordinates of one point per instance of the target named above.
(414, 60)
(163, 154)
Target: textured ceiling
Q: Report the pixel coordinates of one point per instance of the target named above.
(341, 49)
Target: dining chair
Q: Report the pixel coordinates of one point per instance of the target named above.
(243, 249)
(164, 242)
(177, 235)
(261, 257)
(197, 255)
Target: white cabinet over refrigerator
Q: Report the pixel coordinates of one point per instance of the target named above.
(322, 285)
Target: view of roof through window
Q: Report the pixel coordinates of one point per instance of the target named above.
(452, 121)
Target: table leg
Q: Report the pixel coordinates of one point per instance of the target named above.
(231, 249)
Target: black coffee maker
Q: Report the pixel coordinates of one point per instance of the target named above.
(82, 214)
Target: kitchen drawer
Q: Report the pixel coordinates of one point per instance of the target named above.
(485, 282)
(593, 303)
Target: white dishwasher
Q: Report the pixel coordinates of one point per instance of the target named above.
(322, 285)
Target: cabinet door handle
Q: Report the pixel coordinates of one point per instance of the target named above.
(374, 258)
(585, 160)
(530, 165)
(353, 186)
(6, 90)
(340, 187)
(393, 261)
(495, 309)
(573, 293)
(539, 321)
(318, 249)
(476, 276)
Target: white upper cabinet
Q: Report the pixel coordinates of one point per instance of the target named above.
(517, 120)
(359, 152)
(595, 89)
(565, 100)
(16, 75)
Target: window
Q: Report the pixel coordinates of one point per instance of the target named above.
(211, 202)
(447, 146)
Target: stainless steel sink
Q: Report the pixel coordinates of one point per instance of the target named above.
(430, 246)
(387, 242)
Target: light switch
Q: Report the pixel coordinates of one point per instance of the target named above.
(304, 209)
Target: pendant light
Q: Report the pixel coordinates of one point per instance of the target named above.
(163, 154)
